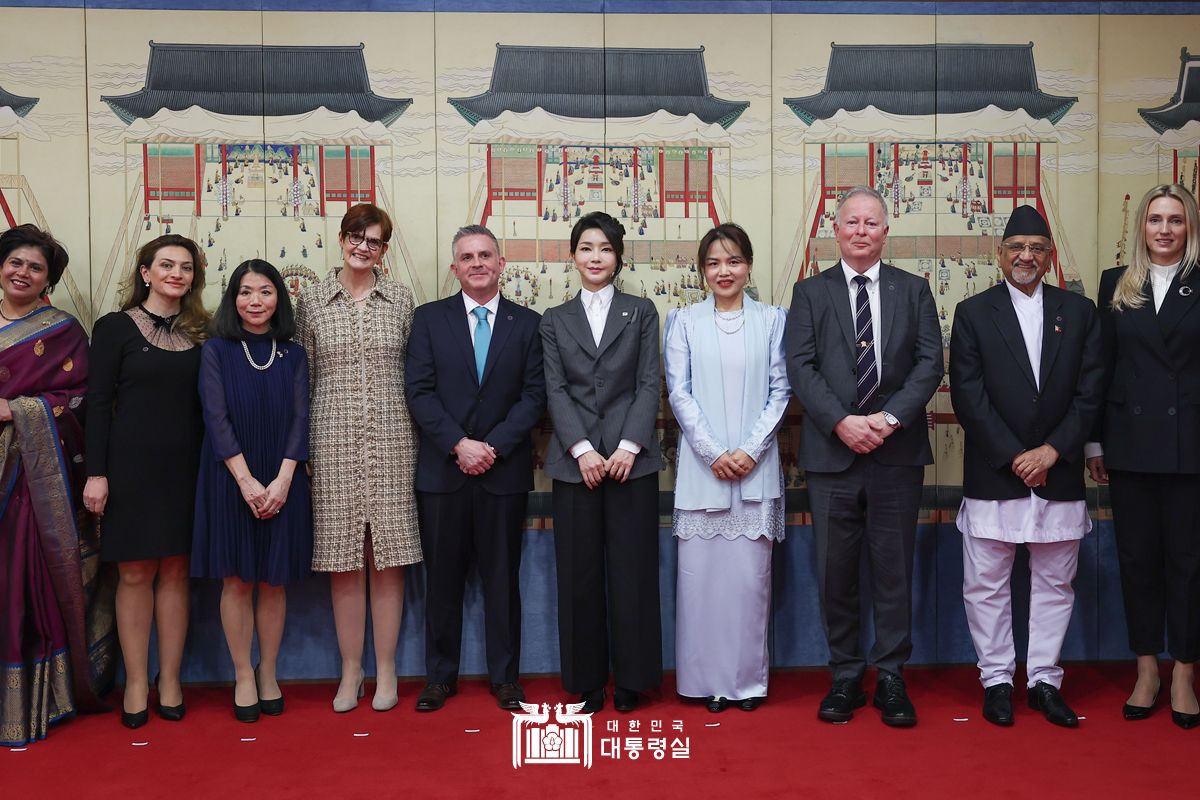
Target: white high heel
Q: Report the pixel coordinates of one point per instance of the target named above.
(342, 706)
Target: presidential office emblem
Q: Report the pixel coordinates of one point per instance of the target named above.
(565, 740)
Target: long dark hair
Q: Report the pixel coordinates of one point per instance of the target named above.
(226, 324)
(193, 317)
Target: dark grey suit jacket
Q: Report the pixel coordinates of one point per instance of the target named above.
(1001, 408)
(603, 394)
(821, 359)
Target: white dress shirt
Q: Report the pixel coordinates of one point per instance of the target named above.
(1032, 518)
(872, 276)
(595, 306)
(491, 305)
(1160, 281)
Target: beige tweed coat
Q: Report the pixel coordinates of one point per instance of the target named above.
(363, 447)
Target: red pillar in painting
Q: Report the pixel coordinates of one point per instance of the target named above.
(146, 174)
(871, 164)
(966, 198)
(199, 176)
(541, 177)
(295, 180)
(712, 206)
(687, 204)
(1174, 165)
(372, 175)
(895, 179)
(662, 184)
(321, 176)
(991, 208)
(349, 200)
(487, 205)
(224, 187)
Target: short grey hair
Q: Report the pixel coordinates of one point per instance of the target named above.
(861, 191)
(471, 230)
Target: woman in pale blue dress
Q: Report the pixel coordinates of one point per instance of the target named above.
(728, 388)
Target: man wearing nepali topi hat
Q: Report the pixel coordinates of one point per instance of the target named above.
(1025, 380)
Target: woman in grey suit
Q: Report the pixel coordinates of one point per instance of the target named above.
(727, 384)
(602, 387)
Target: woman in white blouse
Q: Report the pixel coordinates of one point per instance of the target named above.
(728, 387)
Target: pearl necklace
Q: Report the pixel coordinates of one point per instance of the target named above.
(270, 361)
(726, 316)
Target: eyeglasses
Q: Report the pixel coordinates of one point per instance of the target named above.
(357, 238)
(1034, 249)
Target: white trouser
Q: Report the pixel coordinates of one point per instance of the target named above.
(987, 570)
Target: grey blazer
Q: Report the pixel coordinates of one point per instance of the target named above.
(819, 341)
(603, 394)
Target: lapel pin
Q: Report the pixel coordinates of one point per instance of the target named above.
(509, 317)
(1058, 328)
(1185, 291)
(624, 313)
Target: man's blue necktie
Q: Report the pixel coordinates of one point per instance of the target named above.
(483, 338)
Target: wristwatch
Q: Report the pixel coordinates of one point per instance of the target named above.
(890, 419)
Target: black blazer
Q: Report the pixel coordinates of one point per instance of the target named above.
(448, 402)
(1151, 416)
(998, 403)
(821, 360)
(606, 393)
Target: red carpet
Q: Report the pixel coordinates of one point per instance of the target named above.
(781, 750)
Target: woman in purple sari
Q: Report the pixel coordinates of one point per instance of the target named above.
(56, 619)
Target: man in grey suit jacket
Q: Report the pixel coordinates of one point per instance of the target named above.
(864, 354)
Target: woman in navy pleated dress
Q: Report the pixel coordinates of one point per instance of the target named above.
(253, 506)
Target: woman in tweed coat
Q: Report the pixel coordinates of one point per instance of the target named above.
(354, 325)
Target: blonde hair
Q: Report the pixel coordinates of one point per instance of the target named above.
(193, 318)
(1130, 291)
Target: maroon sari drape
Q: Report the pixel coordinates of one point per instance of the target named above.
(57, 645)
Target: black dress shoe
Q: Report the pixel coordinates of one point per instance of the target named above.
(997, 704)
(434, 695)
(892, 699)
(1185, 721)
(509, 696)
(136, 719)
(717, 704)
(845, 696)
(751, 703)
(1045, 698)
(246, 713)
(592, 701)
(1132, 712)
(625, 700)
(170, 713)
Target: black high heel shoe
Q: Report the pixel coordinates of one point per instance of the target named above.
(169, 713)
(272, 708)
(1132, 712)
(246, 713)
(135, 720)
(1185, 721)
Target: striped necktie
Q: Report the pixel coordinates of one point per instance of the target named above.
(864, 336)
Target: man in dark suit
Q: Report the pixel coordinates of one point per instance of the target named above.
(1025, 379)
(864, 356)
(475, 389)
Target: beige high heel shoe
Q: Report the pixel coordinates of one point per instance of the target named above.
(342, 706)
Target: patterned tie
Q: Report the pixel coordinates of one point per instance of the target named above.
(483, 338)
(868, 375)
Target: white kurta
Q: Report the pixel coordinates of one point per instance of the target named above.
(992, 529)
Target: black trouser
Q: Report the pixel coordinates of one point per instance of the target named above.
(878, 503)
(472, 525)
(606, 553)
(1157, 521)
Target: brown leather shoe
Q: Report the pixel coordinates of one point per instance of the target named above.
(509, 696)
(434, 695)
